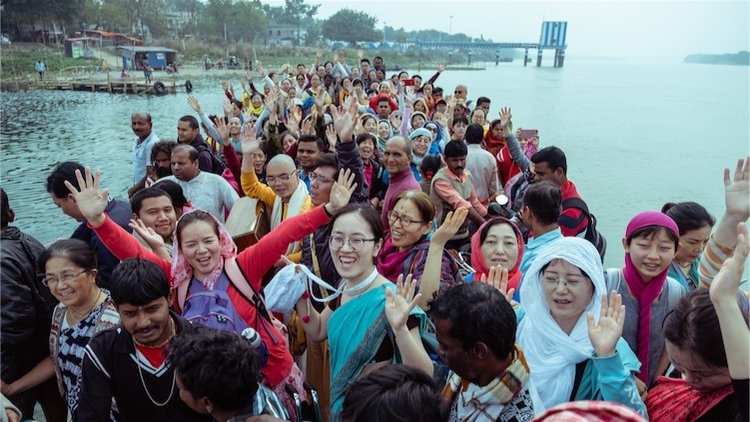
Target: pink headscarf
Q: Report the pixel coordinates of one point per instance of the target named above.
(477, 260)
(181, 269)
(645, 292)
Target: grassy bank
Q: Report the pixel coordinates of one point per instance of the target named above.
(17, 61)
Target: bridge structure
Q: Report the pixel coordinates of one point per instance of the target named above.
(552, 37)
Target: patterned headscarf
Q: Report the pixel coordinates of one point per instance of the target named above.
(181, 269)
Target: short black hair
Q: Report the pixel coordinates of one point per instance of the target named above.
(137, 281)
(458, 120)
(477, 313)
(544, 199)
(322, 145)
(364, 60)
(136, 202)
(474, 134)
(220, 365)
(191, 120)
(63, 172)
(398, 393)
(482, 100)
(553, 156)
(455, 149)
(329, 159)
(74, 250)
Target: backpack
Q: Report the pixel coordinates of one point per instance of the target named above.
(592, 234)
(217, 165)
(213, 308)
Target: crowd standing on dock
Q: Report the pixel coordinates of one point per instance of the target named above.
(335, 244)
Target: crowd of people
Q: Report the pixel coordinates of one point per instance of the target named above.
(337, 245)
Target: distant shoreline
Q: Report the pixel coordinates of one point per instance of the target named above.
(741, 58)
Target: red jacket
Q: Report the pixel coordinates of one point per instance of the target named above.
(572, 221)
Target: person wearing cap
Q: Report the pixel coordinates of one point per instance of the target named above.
(481, 165)
(452, 188)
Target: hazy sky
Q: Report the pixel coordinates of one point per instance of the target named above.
(595, 28)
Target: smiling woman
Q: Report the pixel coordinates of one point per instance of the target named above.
(84, 310)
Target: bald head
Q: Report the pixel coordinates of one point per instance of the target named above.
(282, 177)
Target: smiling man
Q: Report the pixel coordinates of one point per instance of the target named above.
(452, 188)
(155, 209)
(128, 363)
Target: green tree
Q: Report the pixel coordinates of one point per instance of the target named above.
(351, 26)
(232, 20)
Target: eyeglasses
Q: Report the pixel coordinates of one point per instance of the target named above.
(432, 129)
(405, 221)
(355, 243)
(320, 179)
(458, 92)
(281, 178)
(64, 278)
(554, 280)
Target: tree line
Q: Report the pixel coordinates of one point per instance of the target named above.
(216, 20)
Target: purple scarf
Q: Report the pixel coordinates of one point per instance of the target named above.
(645, 292)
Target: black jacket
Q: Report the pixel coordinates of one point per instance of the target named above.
(25, 305)
(110, 370)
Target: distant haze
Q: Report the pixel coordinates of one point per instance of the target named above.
(595, 28)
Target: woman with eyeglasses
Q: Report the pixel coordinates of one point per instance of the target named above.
(202, 250)
(85, 309)
(368, 322)
(571, 335)
(406, 248)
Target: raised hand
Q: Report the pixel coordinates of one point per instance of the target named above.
(341, 191)
(442, 67)
(737, 190)
(344, 123)
(320, 96)
(497, 277)
(331, 135)
(451, 224)
(441, 119)
(726, 283)
(398, 306)
(148, 234)
(228, 108)
(194, 103)
(221, 127)
(607, 332)
(90, 199)
(505, 117)
(247, 138)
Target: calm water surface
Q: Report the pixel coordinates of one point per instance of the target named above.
(636, 133)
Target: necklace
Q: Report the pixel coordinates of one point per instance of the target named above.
(78, 314)
(143, 382)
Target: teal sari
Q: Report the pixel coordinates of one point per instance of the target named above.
(355, 332)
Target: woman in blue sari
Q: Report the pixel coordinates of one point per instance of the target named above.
(369, 322)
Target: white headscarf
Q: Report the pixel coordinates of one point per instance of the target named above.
(551, 354)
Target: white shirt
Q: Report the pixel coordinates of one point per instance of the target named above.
(142, 155)
(483, 168)
(208, 192)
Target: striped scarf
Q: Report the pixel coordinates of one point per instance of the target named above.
(486, 403)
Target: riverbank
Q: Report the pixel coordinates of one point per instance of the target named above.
(17, 61)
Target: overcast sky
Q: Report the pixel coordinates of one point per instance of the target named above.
(595, 28)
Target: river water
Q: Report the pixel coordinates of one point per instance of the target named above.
(636, 133)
